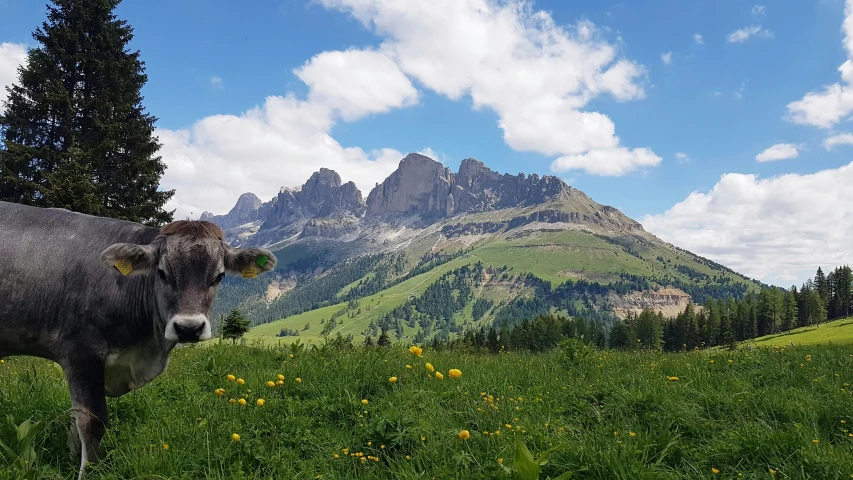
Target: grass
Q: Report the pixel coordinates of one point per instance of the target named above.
(611, 415)
(835, 332)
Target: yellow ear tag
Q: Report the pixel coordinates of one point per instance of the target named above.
(250, 272)
(123, 266)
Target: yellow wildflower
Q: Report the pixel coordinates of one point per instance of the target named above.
(270, 384)
(165, 446)
(632, 434)
(464, 435)
(280, 376)
(364, 401)
(808, 358)
(235, 437)
(231, 400)
(231, 378)
(260, 402)
(392, 379)
(291, 355)
(672, 379)
(416, 350)
(715, 471)
(815, 441)
(500, 460)
(242, 401)
(280, 382)
(219, 391)
(429, 367)
(454, 373)
(241, 381)
(439, 376)
(298, 380)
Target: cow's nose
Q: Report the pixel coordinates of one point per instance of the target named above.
(188, 333)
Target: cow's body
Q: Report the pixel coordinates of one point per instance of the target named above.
(60, 299)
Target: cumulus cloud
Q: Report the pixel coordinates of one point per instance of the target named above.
(666, 58)
(743, 34)
(698, 38)
(682, 157)
(834, 103)
(536, 75)
(608, 162)
(839, 139)
(11, 56)
(775, 229)
(780, 151)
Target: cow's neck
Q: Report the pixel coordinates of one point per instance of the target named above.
(134, 364)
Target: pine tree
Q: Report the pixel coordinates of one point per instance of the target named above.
(383, 340)
(74, 131)
(235, 326)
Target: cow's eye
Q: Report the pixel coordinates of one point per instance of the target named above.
(218, 279)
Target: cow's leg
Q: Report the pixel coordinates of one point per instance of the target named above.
(89, 405)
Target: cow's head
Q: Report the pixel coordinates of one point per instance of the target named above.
(187, 260)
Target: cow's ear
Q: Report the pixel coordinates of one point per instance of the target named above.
(249, 262)
(129, 258)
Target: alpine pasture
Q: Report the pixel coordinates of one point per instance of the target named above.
(326, 410)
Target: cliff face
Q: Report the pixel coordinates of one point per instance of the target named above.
(422, 185)
(327, 208)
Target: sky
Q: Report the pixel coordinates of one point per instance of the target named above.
(723, 126)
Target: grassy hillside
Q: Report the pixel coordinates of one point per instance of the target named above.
(551, 255)
(838, 332)
(613, 415)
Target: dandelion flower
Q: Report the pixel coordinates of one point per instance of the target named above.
(242, 401)
(464, 435)
(418, 351)
(408, 366)
(335, 455)
(235, 437)
(364, 401)
(808, 358)
(280, 382)
(260, 402)
(291, 355)
(715, 471)
(454, 373)
(439, 376)
(298, 380)
(815, 441)
(408, 457)
(219, 391)
(165, 446)
(429, 367)
(241, 381)
(501, 460)
(270, 384)
(231, 378)
(672, 379)
(280, 376)
(632, 434)
(231, 400)
(392, 379)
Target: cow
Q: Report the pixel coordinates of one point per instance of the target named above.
(108, 300)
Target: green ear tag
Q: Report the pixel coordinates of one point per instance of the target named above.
(262, 260)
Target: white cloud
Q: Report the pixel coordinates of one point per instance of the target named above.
(758, 11)
(839, 139)
(773, 229)
(698, 38)
(666, 58)
(780, 151)
(216, 82)
(825, 108)
(358, 95)
(11, 56)
(610, 162)
(742, 35)
(536, 75)
(682, 157)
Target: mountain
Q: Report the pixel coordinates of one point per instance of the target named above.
(433, 252)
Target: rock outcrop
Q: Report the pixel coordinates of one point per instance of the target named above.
(421, 188)
(422, 185)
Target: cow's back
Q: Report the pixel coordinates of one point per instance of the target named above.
(53, 286)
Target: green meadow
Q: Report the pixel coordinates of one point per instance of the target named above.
(751, 413)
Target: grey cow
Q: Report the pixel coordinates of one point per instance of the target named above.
(108, 300)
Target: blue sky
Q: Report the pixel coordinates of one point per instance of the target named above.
(720, 102)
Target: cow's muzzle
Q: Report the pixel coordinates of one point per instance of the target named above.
(188, 328)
